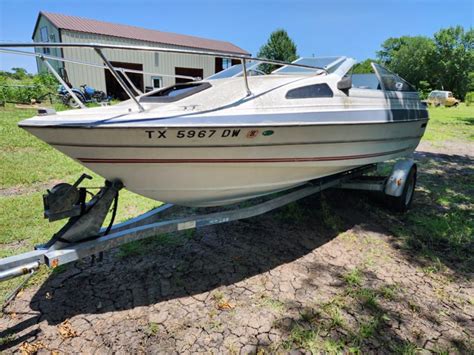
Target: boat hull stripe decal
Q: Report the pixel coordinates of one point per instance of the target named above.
(250, 160)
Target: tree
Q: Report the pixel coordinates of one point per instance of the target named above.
(364, 67)
(19, 73)
(409, 57)
(390, 47)
(470, 86)
(424, 89)
(454, 59)
(278, 47)
(441, 62)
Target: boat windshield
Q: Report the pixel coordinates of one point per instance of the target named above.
(391, 81)
(175, 92)
(237, 70)
(381, 79)
(365, 81)
(328, 63)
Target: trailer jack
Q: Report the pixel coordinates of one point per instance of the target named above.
(84, 224)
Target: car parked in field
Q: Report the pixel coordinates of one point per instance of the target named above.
(445, 98)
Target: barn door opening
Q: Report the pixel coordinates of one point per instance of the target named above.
(194, 72)
(113, 87)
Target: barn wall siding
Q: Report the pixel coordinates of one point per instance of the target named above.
(52, 30)
(95, 77)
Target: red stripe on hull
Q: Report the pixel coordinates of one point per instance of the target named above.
(261, 160)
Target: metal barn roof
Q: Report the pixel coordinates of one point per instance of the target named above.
(79, 24)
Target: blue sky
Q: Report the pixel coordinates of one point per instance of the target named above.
(330, 27)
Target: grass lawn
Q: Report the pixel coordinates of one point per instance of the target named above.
(443, 230)
(28, 166)
(450, 123)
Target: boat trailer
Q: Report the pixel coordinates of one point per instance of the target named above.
(83, 234)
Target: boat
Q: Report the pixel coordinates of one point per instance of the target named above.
(241, 134)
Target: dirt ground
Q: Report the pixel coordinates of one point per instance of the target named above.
(325, 274)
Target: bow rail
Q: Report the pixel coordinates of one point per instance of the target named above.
(98, 47)
(127, 70)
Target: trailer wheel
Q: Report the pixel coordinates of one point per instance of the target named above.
(403, 202)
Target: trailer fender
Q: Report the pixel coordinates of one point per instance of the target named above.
(396, 181)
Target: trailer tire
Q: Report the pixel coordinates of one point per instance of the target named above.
(403, 202)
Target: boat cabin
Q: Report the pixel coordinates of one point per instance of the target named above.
(340, 68)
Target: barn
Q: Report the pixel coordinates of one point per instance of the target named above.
(53, 27)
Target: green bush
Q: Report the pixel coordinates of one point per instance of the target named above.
(469, 98)
(424, 89)
(25, 88)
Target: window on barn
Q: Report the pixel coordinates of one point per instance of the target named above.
(157, 82)
(157, 59)
(44, 38)
(226, 63)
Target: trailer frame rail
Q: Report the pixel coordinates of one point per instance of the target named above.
(149, 224)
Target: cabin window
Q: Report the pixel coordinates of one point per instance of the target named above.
(310, 91)
(175, 92)
(156, 82)
(44, 38)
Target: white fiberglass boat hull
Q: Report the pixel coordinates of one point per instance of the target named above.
(210, 166)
